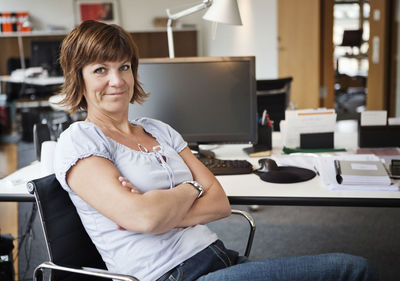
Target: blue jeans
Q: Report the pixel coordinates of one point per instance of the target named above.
(216, 263)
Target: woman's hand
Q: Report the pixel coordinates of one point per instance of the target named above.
(126, 183)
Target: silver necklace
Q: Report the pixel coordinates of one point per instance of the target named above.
(142, 148)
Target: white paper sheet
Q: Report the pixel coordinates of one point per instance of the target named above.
(320, 120)
(373, 118)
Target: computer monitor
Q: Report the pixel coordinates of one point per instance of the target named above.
(206, 99)
(45, 53)
(352, 38)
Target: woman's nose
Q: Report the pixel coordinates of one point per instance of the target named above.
(116, 79)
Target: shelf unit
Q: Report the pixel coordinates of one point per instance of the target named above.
(151, 43)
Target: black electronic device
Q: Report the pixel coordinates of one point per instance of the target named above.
(269, 171)
(206, 99)
(227, 167)
(6, 257)
(395, 168)
(352, 38)
(45, 53)
(267, 165)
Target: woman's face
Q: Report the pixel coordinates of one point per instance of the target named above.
(108, 86)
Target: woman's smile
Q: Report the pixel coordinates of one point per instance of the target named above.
(115, 94)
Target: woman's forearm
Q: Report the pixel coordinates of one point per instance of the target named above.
(165, 209)
(212, 206)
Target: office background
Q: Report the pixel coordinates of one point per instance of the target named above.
(281, 230)
(257, 36)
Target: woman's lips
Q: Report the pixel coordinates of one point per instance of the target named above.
(115, 94)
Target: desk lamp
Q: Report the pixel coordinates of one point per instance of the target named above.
(220, 11)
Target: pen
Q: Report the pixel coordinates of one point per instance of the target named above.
(338, 171)
(263, 117)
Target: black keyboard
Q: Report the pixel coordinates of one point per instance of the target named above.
(227, 167)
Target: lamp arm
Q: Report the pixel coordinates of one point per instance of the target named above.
(189, 11)
(170, 39)
(171, 17)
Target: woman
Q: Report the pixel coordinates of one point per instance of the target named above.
(143, 197)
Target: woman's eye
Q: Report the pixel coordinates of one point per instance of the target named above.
(125, 67)
(100, 70)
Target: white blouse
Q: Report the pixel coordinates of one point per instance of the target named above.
(145, 256)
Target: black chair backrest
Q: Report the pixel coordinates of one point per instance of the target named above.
(41, 133)
(273, 96)
(67, 242)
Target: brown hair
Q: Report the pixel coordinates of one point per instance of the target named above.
(94, 41)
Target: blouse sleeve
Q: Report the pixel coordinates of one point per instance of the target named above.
(79, 141)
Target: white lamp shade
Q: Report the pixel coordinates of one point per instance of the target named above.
(224, 11)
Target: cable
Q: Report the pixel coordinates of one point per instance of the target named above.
(28, 233)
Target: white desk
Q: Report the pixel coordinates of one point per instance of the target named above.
(38, 81)
(13, 187)
(248, 189)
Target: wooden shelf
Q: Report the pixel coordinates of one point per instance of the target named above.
(33, 33)
(151, 43)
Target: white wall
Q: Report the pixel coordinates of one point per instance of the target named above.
(257, 36)
(134, 14)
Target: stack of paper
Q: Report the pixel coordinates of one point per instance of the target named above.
(328, 173)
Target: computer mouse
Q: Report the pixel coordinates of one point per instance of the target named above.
(267, 165)
(269, 171)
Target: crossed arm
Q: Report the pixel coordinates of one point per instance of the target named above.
(156, 211)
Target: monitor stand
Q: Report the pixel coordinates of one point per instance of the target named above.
(258, 150)
(201, 153)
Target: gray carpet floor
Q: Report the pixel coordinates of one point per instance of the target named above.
(291, 231)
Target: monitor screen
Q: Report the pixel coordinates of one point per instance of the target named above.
(352, 38)
(206, 99)
(45, 53)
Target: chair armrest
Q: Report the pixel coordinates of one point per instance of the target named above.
(92, 272)
(252, 223)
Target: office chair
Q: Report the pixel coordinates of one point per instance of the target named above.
(41, 133)
(54, 124)
(273, 96)
(73, 255)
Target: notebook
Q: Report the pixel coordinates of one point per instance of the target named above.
(361, 173)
